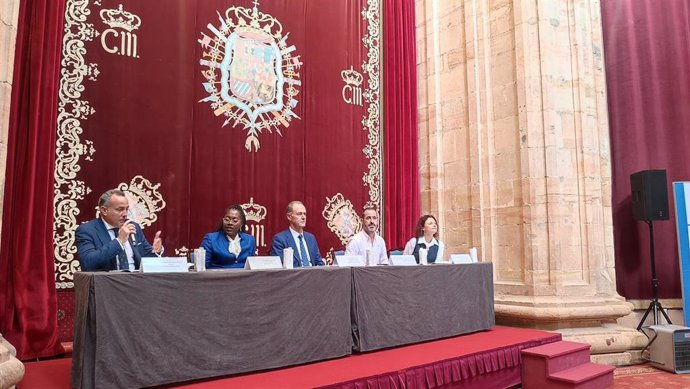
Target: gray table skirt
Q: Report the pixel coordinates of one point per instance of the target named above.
(397, 305)
(136, 330)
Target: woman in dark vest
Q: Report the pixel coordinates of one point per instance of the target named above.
(426, 237)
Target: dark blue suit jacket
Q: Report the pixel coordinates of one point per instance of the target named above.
(217, 254)
(97, 250)
(284, 239)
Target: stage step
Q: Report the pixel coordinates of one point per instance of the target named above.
(587, 376)
(554, 357)
(563, 365)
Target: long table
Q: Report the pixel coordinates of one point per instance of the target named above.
(136, 330)
(397, 305)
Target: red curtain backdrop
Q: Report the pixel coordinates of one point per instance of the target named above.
(647, 53)
(401, 170)
(153, 118)
(146, 126)
(28, 299)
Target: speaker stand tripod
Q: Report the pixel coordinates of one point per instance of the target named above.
(655, 306)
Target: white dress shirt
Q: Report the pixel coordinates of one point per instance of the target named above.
(295, 236)
(361, 242)
(234, 247)
(126, 247)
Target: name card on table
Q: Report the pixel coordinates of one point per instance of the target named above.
(461, 258)
(164, 265)
(349, 260)
(263, 262)
(402, 260)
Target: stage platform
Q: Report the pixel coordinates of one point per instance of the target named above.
(487, 359)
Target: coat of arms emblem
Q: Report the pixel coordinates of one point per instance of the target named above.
(251, 75)
(342, 218)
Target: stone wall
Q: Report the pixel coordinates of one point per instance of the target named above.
(514, 157)
(9, 12)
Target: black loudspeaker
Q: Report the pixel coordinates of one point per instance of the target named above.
(649, 195)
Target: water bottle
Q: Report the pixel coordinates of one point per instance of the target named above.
(422, 256)
(288, 255)
(200, 259)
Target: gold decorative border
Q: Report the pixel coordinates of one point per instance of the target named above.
(69, 148)
(372, 121)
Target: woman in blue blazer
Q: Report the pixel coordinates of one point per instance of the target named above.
(229, 246)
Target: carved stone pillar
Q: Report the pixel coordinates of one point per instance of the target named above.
(9, 13)
(514, 157)
(11, 369)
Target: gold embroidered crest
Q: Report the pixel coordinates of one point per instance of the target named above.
(251, 74)
(144, 200)
(342, 218)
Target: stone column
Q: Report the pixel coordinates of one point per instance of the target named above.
(9, 13)
(514, 158)
(11, 369)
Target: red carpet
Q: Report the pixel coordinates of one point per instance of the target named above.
(466, 358)
(648, 377)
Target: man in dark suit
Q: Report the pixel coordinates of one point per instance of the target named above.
(304, 246)
(113, 242)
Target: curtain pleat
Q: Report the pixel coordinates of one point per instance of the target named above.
(647, 53)
(401, 175)
(28, 299)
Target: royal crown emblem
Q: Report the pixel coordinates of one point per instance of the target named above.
(252, 76)
(144, 200)
(254, 212)
(352, 77)
(119, 18)
(342, 218)
(120, 39)
(351, 92)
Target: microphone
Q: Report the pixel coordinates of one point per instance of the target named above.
(133, 235)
